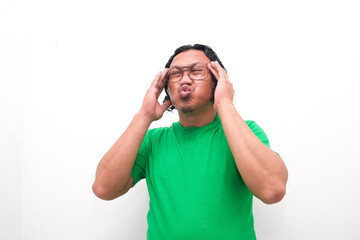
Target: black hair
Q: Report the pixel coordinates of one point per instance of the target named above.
(208, 52)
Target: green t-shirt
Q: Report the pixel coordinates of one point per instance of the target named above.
(195, 189)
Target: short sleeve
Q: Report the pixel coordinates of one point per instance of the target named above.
(139, 168)
(256, 129)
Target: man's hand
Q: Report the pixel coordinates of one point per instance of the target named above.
(151, 108)
(224, 92)
(113, 175)
(262, 170)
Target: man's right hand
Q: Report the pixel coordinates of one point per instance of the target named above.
(113, 174)
(151, 109)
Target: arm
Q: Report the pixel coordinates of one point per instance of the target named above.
(113, 174)
(262, 170)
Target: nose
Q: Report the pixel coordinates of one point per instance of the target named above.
(185, 79)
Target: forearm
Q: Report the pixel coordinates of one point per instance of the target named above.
(262, 170)
(114, 170)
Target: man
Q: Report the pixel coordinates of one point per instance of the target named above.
(203, 171)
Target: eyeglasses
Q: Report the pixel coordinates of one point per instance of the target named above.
(196, 73)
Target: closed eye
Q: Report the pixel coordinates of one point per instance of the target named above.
(174, 73)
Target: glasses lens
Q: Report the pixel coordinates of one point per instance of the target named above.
(198, 73)
(175, 75)
(195, 73)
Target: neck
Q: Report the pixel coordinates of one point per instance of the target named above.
(197, 119)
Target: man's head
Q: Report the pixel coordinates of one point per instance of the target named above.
(197, 54)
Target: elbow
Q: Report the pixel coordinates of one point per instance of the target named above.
(101, 192)
(106, 192)
(275, 189)
(274, 194)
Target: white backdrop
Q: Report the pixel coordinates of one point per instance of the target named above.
(73, 74)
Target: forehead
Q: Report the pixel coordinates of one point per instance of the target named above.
(189, 57)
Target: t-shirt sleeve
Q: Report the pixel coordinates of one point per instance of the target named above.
(139, 168)
(258, 132)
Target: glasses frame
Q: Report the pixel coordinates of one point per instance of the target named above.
(188, 71)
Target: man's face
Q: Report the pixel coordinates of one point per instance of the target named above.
(186, 94)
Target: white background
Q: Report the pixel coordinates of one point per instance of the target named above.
(73, 74)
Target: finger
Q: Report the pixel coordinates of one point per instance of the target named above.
(156, 79)
(163, 78)
(159, 82)
(217, 68)
(164, 73)
(220, 70)
(165, 105)
(213, 71)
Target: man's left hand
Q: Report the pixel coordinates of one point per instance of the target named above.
(224, 92)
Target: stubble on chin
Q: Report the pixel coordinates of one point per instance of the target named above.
(187, 108)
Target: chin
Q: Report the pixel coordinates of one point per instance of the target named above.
(184, 105)
(186, 110)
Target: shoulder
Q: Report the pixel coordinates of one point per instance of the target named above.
(258, 131)
(156, 133)
(253, 125)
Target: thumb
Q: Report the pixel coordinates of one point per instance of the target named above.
(165, 105)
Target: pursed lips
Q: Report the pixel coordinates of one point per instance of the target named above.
(185, 91)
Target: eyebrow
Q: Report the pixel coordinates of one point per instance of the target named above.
(192, 65)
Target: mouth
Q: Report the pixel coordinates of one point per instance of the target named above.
(185, 91)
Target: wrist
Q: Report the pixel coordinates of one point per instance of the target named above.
(143, 118)
(224, 107)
